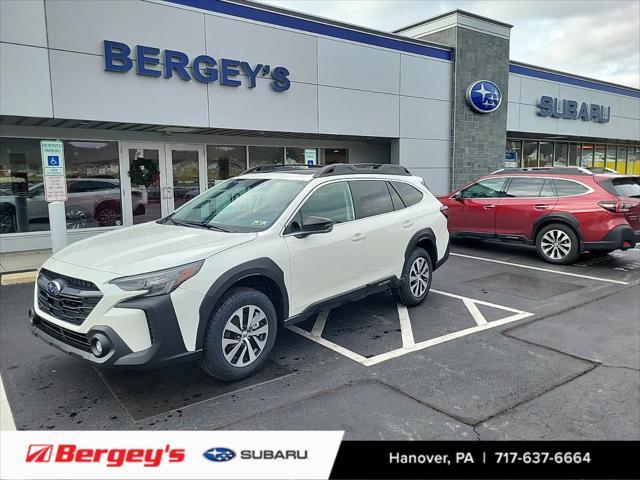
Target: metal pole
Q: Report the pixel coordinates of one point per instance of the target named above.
(58, 226)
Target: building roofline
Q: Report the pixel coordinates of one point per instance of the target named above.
(260, 12)
(587, 82)
(446, 14)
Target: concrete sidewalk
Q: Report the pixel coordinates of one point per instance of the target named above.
(21, 261)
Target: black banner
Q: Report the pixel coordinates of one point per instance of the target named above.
(495, 459)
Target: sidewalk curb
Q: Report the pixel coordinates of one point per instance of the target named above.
(18, 277)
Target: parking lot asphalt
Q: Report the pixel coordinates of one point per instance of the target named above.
(505, 347)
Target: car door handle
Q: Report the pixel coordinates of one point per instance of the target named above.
(541, 207)
(488, 206)
(358, 237)
(407, 224)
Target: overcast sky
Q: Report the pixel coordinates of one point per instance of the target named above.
(599, 39)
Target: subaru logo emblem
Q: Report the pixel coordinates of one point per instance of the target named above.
(54, 287)
(484, 96)
(219, 454)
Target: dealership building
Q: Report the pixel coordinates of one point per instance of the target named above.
(155, 101)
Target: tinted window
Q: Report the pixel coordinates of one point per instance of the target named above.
(548, 190)
(626, 187)
(331, 201)
(525, 187)
(395, 198)
(487, 188)
(566, 188)
(373, 196)
(410, 195)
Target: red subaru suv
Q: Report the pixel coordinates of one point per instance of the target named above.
(562, 211)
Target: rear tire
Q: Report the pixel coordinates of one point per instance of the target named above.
(240, 335)
(416, 274)
(558, 244)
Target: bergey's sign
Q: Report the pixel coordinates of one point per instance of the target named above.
(572, 110)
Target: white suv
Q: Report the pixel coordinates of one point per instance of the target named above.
(216, 279)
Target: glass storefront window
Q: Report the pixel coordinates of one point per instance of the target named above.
(336, 155)
(93, 184)
(621, 164)
(513, 154)
(611, 157)
(299, 155)
(530, 154)
(225, 161)
(546, 154)
(598, 157)
(22, 205)
(561, 155)
(265, 156)
(633, 162)
(574, 155)
(586, 159)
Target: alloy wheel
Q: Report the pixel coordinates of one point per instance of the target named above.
(555, 244)
(419, 277)
(245, 336)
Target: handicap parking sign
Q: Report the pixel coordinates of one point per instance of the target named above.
(53, 161)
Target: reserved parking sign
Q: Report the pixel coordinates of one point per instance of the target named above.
(55, 179)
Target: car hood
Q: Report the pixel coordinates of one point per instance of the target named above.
(148, 247)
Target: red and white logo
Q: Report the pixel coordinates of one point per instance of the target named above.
(111, 457)
(39, 453)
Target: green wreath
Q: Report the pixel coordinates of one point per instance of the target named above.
(143, 171)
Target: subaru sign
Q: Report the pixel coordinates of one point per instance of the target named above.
(150, 61)
(568, 109)
(484, 96)
(219, 454)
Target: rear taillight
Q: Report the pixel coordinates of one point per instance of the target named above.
(617, 207)
(444, 210)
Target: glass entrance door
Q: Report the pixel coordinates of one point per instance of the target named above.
(186, 174)
(158, 178)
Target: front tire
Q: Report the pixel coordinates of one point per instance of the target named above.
(416, 275)
(240, 335)
(558, 244)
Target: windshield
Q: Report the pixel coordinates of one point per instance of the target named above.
(239, 205)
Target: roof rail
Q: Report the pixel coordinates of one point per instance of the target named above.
(559, 170)
(362, 168)
(279, 167)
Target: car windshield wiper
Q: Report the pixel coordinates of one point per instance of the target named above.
(208, 226)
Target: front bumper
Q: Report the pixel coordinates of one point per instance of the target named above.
(621, 237)
(167, 345)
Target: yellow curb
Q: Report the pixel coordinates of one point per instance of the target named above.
(17, 278)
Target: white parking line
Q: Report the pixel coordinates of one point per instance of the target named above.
(405, 327)
(6, 417)
(408, 342)
(588, 277)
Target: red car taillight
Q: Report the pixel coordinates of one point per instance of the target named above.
(444, 210)
(617, 207)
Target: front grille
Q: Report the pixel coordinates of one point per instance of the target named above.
(75, 301)
(77, 340)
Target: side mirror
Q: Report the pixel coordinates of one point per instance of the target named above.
(457, 196)
(313, 225)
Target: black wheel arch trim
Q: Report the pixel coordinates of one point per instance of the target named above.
(425, 234)
(556, 217)
(260, 267)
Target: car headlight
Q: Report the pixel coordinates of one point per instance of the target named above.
(160, 282)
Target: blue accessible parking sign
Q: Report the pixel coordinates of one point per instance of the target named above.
(53, 161)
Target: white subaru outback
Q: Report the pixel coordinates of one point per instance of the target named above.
(218, 278)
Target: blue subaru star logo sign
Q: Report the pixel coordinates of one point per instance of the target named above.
(484, 96)
(54, 287)
(219, 454)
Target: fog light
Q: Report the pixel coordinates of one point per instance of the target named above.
(96, 347)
